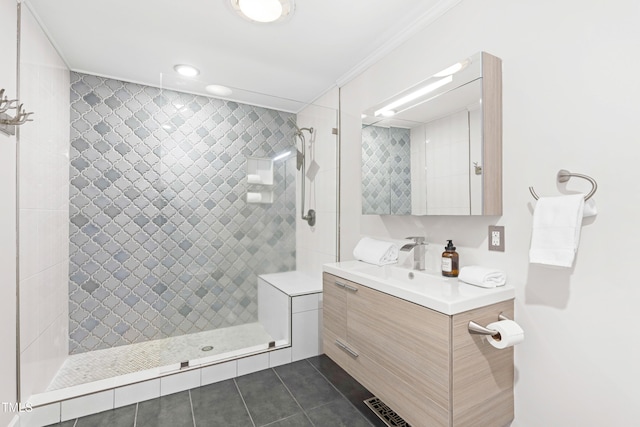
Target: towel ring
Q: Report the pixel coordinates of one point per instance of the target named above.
(564, 175)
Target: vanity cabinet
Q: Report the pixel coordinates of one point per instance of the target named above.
(424, 364)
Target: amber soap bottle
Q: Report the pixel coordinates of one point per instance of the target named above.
(450, 260)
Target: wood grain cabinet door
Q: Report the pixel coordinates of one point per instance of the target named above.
(334, 319)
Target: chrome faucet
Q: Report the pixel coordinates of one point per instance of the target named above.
(418, 247)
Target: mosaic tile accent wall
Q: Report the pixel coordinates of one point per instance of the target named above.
(162, 241)
(386, 171)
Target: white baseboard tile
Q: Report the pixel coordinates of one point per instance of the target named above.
(179, 382)
(279, 357)
(220, 372)
(252, 364)
(86, 405)
(41, 416)
(135, 393)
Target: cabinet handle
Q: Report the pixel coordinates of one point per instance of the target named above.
(349, 287)
(346, 348)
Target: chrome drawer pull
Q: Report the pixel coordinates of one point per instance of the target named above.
(344, 285)
(347, 349)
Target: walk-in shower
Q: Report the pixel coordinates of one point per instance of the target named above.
(149, 223)
(166, 245)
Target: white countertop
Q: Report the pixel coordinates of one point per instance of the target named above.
(294, 283)
(446, 295)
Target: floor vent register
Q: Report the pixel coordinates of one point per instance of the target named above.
(386, 414)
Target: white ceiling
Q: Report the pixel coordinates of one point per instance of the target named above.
(283, 65)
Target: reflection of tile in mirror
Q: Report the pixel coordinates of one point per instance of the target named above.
(313, 169)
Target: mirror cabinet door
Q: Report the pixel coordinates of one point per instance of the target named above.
(436, 148)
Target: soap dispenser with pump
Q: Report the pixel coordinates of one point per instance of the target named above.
(450, 260)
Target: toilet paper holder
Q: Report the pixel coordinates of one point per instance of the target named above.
(475, 328)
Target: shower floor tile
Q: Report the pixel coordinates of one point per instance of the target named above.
(102, 364)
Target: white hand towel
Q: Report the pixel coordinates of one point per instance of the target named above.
(590, 208)
(376, 252)
(482, 276)
(555, 237)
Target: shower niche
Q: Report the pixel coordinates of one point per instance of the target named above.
(259, 180)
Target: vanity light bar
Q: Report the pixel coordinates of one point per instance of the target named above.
(414, 95)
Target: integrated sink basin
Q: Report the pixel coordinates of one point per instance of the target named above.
(439, 293)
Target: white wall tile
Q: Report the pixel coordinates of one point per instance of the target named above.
(44, 212)
(305, 340)
(179, 382)
(251, 364)
(220, 372)
(305, 303)
(86, 405)
(139, 392)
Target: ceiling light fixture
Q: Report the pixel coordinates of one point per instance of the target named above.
(263, 10)
(186, 70)
(218, 90)
(413, 96)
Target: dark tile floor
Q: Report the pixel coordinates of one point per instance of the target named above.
(311, 392)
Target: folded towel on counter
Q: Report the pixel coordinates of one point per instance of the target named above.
(555, 237)
(376, 252)
(482, 276)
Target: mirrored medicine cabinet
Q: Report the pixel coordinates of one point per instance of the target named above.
(436, 148)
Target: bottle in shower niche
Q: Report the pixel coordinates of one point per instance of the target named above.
(450, 260)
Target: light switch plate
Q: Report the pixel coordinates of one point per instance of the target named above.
(496, 238)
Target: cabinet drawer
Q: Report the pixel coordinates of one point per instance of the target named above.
(408, 340)
(331, 349)
(416, 408)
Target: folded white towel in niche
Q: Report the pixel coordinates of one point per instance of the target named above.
(482, 276)
(378, 252)
(557, 222)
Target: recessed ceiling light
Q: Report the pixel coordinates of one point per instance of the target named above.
(218, 90)
(186, 70)
(387, 113)
(263, 10)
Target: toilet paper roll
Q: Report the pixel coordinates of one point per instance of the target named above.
(509, 334)
(254, 179)
(254, 197)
